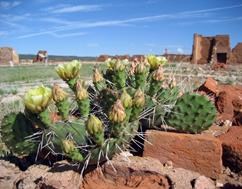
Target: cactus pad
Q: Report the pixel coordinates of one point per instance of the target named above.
(192, 113)
(15, 129)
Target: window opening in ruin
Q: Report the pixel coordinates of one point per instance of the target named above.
(221, 58)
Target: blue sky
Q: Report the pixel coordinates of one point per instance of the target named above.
(93, 27)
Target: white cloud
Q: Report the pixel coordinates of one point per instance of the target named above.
(213, 9)
(52, 33)
(67, 34)
(71, 9)
(211, 21)
(180, 50)
(67, 25)
(8, 5)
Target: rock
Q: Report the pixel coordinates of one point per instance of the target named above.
(145, 172)
(225, 106)
(41, 176)
(194, 152)
(203, 182)
(216, 130)
(229, 103)
(218, 66)
(134, 172)
(227, 98)
(124, 172)
(232, 148)
(8, 174)
(209, 86)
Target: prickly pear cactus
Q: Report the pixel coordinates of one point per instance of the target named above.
(15, 130)
(192, 113)
(93, 131)
(92, 123)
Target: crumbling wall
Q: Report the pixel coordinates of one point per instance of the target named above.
(177, 57)
(41, 56)
(8, 56)
(206, 49)
(236, 56)
(206, 44)
(102, 58)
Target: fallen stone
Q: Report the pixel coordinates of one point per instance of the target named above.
(127, 172)
(139, 172)
(124, 172)
(199, 153)
(8, 174)
(216, 130)
(41, 176)
(229, 103)
(232, 148)
(203, 182)
(209, 86)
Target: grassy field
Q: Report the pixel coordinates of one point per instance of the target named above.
(29, 73)
(16, 80)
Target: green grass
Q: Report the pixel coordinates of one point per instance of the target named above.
(37, 72)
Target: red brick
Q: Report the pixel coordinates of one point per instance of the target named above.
(211, 85)
(232, 148)
(194, 152)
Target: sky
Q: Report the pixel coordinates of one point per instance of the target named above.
(94, 27)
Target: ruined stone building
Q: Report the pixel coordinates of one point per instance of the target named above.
(42, 56)
(215, 49)
(8, 56)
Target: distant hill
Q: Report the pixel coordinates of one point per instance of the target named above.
(60, 58)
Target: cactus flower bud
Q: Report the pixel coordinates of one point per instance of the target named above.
(158, 74)
(141, 68)
(117, 113)
(126, 99)
(97, 76)
(118, 66)
(110, 63)
(94, 125)
(139, 98)
(81, 91)
(36, 100)
(156, 61)
(58, 93)
(69, 71)
(68, 146)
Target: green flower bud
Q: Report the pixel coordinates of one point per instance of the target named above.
(141, 68)
(155, 62)
(97, 76)
(158, 74)
(36, 100)
(111, 63)
(81, 91)
(58, 93)
(69, 71)
(68, 146)
(126, 99)
(94, 125)
(139, 98)
(117, 113)
(118, 66)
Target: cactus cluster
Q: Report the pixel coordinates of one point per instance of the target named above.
(106, 115)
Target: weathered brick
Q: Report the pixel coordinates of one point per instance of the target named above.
(232, 148)
(195, 152)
